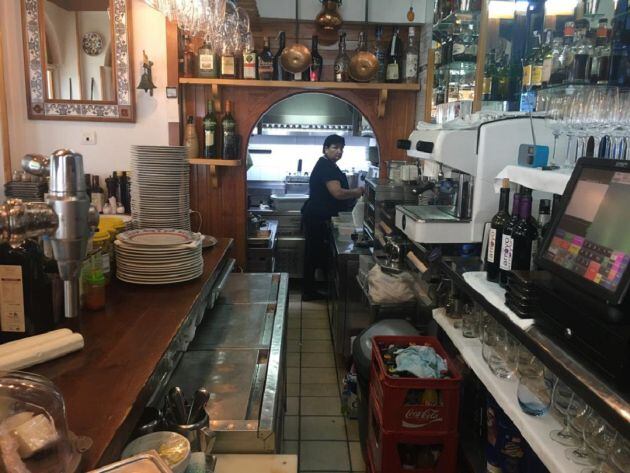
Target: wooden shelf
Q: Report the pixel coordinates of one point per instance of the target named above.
(216, 162)
(300, 84)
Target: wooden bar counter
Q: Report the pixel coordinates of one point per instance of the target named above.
(107, 384)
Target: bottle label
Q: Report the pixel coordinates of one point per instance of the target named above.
(105, 263)
(340, 72)
(492, 244)
(12, 317)
(532, 262)
(527, 76)
(487, 85)
(507, 251)
(411, 66)
(437, 56)
(537, 73)
(249, 66)
(297, 76)
(227, 65)
(209, 138)
(392, 72)
(265, 69)
(206, 62)
(546, 70)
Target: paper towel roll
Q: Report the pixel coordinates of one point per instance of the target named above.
(33, 355)
(12, 347)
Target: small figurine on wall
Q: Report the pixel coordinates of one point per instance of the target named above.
(146, 81)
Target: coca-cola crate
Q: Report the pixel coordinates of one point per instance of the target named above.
(402, 452)
(414, 404)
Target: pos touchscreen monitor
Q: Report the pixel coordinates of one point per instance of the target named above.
(588, 243)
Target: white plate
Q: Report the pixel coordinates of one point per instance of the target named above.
(208, 241)
(141, 280)
(158, 237)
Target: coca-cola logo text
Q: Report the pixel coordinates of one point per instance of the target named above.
(415, 418)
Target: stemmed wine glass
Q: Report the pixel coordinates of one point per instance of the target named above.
(620, 126)
(562, 400)
(552, 106)
(600, 102)
(579, 414)
(599, 438)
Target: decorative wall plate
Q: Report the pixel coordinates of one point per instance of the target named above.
(92, 43)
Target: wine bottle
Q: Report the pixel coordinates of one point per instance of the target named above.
(265, 62)
(230, 140)
(566, 57)
(393, 72)
(381, 55)
(317, 63)
(206, 60)
(525, 235)
(537, 62)
(191, 142)
(583, 54)
(249, 59)
(342, 61)
(210, 132)
(97, 194)
(189, 57)
(547, 58)
(619, 74)
(278, 71)
(411, 58)
(507, 243)
(495, 237)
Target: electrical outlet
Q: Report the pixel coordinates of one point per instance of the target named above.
(88, 138)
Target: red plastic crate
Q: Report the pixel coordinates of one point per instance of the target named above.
(391, 394)
(398, 452)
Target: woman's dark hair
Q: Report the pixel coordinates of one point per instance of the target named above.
(333, 140)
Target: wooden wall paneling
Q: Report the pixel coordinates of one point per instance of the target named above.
(4, 121)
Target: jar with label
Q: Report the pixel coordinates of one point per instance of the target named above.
(94, 290)
(102, 242)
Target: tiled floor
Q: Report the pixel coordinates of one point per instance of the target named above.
(314, 426)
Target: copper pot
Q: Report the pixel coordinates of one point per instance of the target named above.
(296, 58)
(363, 66)
(328, 22)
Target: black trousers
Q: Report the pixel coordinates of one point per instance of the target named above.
(316, 250)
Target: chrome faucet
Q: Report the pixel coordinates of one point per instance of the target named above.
(66, 216)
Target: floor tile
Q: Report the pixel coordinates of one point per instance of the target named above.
(322, 428)
(295, 322)
(356, 456)
(290, 447)
(291, 427)
(316, 346)
(295, 311)
(293, 334)
(315, 334)
(293, 406)
(293, 375)
(318, 375)
(334, 459)
(315, 315)
(352, 426)
(320, 406)
(293, 389)
(323, 389)
(293, 346)
(318, 360)
(316, 322)
(293, 360)
(315, 305)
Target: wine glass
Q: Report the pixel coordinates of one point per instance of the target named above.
(600, 103)
(498, 350)
(533, 393)
(562, 400)
(552, 106)
(581, 424)
(620, 455)
(599, 438)
(620, 123)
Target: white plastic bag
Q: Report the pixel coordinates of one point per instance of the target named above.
(389, 288)
(358, 213)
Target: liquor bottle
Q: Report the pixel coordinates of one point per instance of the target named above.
(342, 61)
(207, 60)
(189, 57)
(381, 55)
(507, 243)
(544, 217)
(566, 57)
(210, 132)
(557, 71)
(411, 58)
(228, 62)
(230, 140)
(537, 62)
(526, 81)
(495, 237)
(582, 54)
(525, 235)
(489, 70)
(191, 143)
(601, 54)
(249, 59)
(265, 62)
(278, 71)
(619, 74)
(547, 58)
(557, 198)
(97, 194)
(393, 72)
(317, 63)
(26, 292)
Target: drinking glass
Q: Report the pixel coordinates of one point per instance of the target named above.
(620, 455)
(471, 320)
(552, 106)
(533, 393)
(599, 438)
(562, 400)
(620, 126)
(499, 350)
(601, 101)
(579, 414)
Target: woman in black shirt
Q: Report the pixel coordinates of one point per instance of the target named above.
(329, 194)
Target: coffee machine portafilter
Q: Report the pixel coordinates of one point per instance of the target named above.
(67, 217)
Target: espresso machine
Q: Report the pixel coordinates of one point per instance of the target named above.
(459, 166)
(66, 216)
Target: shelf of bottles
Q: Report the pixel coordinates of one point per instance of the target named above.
(456, 35)
(556, 47)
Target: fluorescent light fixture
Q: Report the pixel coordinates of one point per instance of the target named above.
(521, 7)
(560, 7)
(501, 9)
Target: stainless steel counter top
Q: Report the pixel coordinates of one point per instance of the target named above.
(345, 247)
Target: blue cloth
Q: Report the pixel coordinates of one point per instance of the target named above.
(421, 361)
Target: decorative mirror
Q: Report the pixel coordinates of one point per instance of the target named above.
(78, 61)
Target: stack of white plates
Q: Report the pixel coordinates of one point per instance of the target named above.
(158, 256)
(160, 188)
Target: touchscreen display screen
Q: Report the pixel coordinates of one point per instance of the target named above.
(592, 238)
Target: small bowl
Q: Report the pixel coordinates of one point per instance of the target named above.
(153, 442)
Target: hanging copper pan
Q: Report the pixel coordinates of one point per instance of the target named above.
(363, 66)
(296, 58)
(328, 22)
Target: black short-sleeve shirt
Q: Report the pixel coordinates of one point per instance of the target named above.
(321, 203)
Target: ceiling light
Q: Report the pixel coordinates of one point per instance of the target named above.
(560, 7)
(501, 9)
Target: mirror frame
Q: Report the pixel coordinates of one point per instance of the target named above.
(40, 108)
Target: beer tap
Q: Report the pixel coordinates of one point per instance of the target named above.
(66, 216)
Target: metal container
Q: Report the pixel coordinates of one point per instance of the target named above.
(148, 462)
(288, 201)
(394, 170)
